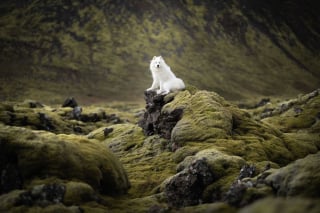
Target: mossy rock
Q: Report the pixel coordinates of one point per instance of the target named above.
(284, 205)
(39, 154)
(220, 164)
(300, 178)
(78, 193)
(218, 207)
(301, 144)
(123, 137)
(205, 116)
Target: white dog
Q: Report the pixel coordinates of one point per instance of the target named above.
(163, 78)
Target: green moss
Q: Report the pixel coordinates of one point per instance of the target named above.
(41, 154)
(212, 207)
(204, 117)
(290, 205)
(78, 193)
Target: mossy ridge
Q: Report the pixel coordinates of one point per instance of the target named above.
(208, 113)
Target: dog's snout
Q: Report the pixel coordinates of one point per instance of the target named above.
(158, 65)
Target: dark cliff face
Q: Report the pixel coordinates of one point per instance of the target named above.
(101, 49)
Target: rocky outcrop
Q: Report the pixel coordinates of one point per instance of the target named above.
(155, 121)
(186, 187)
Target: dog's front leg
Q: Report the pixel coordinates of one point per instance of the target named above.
(155, 85)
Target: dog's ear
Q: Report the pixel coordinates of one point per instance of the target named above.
(160, 57)
(154, 57)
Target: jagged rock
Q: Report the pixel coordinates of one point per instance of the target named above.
(247, 171)
(246, 190)
(222, 169)
(186, 187)
(42, 195)
(42, 154)
(156, 122)
(76, 112)
(70, 102)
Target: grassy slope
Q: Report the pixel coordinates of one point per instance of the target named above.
(54, 49)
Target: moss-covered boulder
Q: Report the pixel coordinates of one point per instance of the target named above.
(39, 154)
(205, 116)
(285, 205)
(301, 178)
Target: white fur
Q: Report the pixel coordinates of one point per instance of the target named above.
(163, 78)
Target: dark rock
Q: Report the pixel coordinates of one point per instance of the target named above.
(92, 117)
(35, 104)
(45, 122)
(42, 195)
(70, 102)
(106, 131)
(186, 187)
(77, 129)
(113, 118)
(235, 194)
(156, 122)
(247, 171)
(76, 112)
(263, 102)
(243, 191)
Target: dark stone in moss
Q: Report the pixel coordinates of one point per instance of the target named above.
(156, 122)
(235, 194)
(247, 171)
(76, 112)
(35, 104)
(238, 194)
(42, 195)
(70, 102)
(106, 131)
(45, 122)
(186, 187)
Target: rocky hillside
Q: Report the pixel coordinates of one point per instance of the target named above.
(190, 151)
(100, 50)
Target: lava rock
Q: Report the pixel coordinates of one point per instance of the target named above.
(156, 122)
(247, 171)
(76, 112)
(70, 102)
(42, 195)
(186, 187)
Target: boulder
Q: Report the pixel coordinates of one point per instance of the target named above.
(39, 154)
(283, 205)
(205, 116)
(301, 178)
